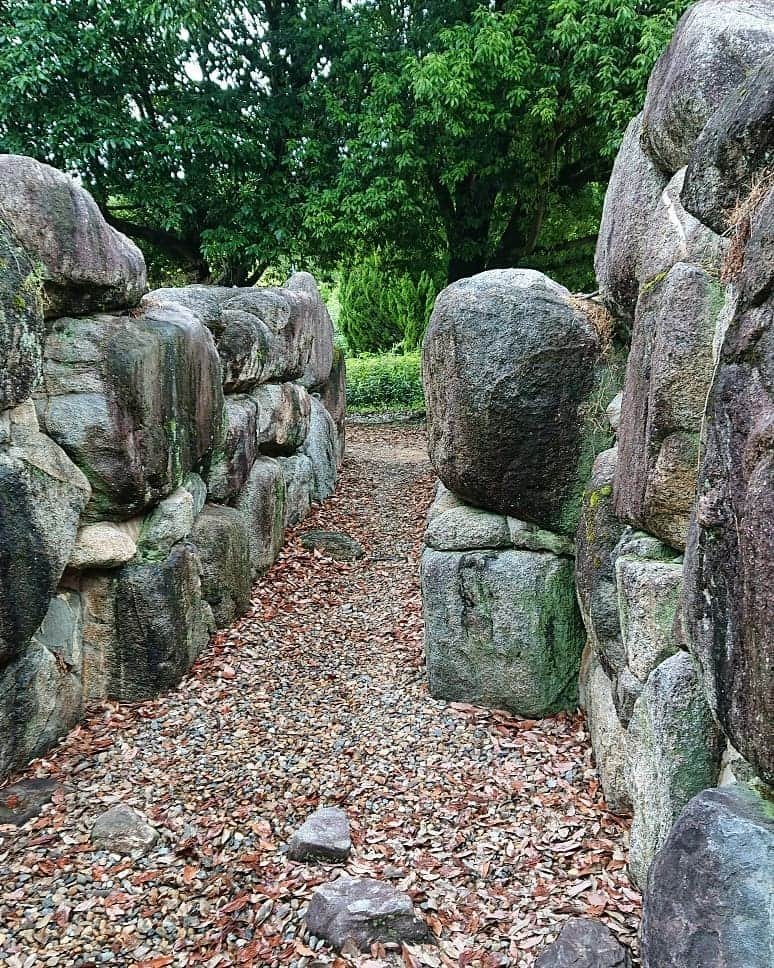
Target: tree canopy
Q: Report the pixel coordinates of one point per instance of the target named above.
(230, 135)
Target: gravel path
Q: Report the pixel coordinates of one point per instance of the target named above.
(495, 826)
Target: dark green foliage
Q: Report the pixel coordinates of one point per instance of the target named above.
(382, 309)
(385, 383)
(229, 135)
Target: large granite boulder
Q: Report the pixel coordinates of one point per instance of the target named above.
(262, 501)
(502, 629)
(232, 461)
(716, 44)
(511, 363)
(86, 265)
(102, 545)
(221, 538)
(136, 403)
(42, 495)
(599, 531)
(755, 281)
(608, 735)
(319, 355)
(321, 447)
(160, 625)
(632, 200)
(333, 394)
(667, 377)
(584, 943)
(729, 596)
(708, 902)
(41, 695)
(674, 753)
(734, 150)
(21, 321)
(283, 417)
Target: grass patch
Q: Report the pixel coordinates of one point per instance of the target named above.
(390, 382)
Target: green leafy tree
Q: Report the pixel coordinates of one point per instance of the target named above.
(483, 122)
(187, 119)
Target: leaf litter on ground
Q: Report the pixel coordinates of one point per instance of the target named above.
(495, 826)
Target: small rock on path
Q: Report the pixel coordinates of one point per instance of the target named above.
(324, 836)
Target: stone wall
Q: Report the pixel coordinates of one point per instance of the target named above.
(153, 449)
(666, 512)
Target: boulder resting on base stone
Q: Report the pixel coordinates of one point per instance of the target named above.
(584, 943)
(262, 501)
(221, 538)
(710, 888)
(323, 836)
(511, 363)
(321, 448)
(363, 911)
(123, 830)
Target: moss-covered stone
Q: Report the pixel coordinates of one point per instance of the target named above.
(502, 629)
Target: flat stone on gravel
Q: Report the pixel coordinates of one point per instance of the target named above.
(584, 943)
(323, 836)
(22, 801)
(336, 544)
(123, 830)
(364, 911)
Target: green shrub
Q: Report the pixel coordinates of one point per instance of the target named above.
(383, 309)
(383, 383)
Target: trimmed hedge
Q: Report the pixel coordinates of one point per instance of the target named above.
(385, 383)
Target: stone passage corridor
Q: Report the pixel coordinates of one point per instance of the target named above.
(496, 827)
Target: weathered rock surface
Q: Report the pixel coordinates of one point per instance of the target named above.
(632, 200)
(735, 148)
(674, 753)
(20, 802)
(160, 625)
(135, 402)
(262, 501)
(502, 629)
(22, 331)
(282, 419)
(648, 601)
(363, 911)
(88, 266)
(667, 378)
(333, 393)
(716, 43)
(169, 522)
(584, 943)
(222, 540)
(41, 694)
(298, 472)
(42, 495)
(319, 355)
(755, 282)
(233, 459)
(729, 600)
(123, 830)
(514, 363)
(608, 737)
(336, 544)
(101, 545)
(599, 531)
(321, 448)
(323, 836)
(708, 899)
(463, 527)
(674, 236)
